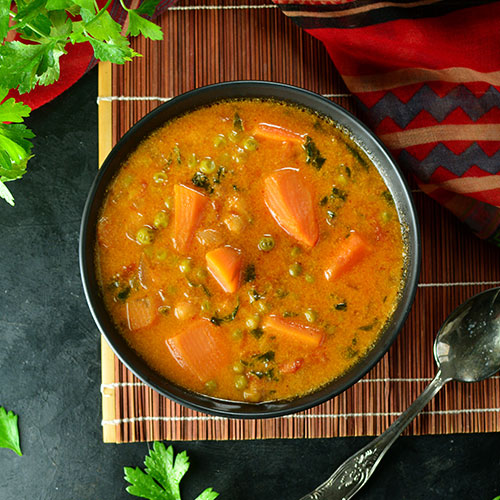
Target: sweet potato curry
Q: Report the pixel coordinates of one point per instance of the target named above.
(250, 251)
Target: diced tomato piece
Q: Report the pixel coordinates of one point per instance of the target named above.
(291, 366)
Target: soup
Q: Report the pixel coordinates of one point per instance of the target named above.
(249, 250)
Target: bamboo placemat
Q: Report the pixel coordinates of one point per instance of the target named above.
(218, 41)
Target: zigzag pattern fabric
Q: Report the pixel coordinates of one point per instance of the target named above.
(427, 76)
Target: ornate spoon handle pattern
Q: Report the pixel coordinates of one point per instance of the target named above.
(351, 476)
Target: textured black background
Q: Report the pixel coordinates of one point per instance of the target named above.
(50, 365)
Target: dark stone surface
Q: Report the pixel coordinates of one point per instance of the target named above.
(50, 366)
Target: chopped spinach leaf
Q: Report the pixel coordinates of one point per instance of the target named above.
(350, 353)
(348, 171)
(269, 374)
(123, 294)
(201, 180)
(341, 306)
(338, 194)
(323, 201)
(266, 357)
(249, 273)
(217, 320)
(330, 214)
(313, 156)
(357, 155)
(388, 198)
(177, 153)
(237, 123)
(257, 332)
(367, 328)
(220, 175)
(254, 295)
(289, 314)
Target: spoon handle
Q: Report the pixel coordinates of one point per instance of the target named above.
(352, 475)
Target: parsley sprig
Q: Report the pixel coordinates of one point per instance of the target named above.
(162, 476)
(9, 432)
(42, 30)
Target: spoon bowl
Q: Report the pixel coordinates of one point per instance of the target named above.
(466, 349)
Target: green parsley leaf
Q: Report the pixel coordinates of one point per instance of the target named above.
(10, 110)
(58, 4)
(9, 432)
(138, 25)
(162, 476)
(147, 7)
(4, 18)
(15, 147)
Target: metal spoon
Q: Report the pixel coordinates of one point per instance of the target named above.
(467, 349)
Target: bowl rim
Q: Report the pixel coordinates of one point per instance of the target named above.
(143, 128)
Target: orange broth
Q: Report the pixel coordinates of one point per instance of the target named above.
(302, 311)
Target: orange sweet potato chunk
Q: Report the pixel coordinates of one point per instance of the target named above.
(141, 312)
(289, 198)
(224, 264)
(277, 133)
(303, 334)
(200, 349)
(189, 206)
(347, 254)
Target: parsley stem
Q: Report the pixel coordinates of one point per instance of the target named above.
(124, 6)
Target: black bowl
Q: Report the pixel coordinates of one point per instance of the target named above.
(201, 97)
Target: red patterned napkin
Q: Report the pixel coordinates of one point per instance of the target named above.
(427, 75)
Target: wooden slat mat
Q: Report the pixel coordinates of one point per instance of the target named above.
(213, 42)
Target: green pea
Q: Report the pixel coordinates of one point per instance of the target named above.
(266, 243)
(160, 177)
(145, 236)
(207, 166)
(239, 158)
(341, 180)
(210, 386)
(165, 310)
(311, 316)
(386, 216)
(295, 270)
(281, 293)
(309, 278)
(252, 322)
(169, 203)
(201, 274)
(238, 367)
(192, 161)
(161, 220)
(128, 180)
(237, 334)
(295, 251)
(234, 136)
(161, 255)
(240, 382)
(250, 144)
(219, 141)
(185, 266)
(262, 307)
